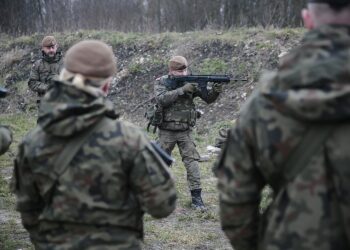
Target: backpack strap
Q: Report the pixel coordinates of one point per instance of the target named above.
(311, 144)
(72, 147)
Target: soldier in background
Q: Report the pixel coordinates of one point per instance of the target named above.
(5, 132)
(293, 134)
(179, 117)
(84, 180)
(47, 68)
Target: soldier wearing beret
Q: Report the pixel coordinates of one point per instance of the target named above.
(83, 180)
(293, 134)
(46, 68)
(179, 117)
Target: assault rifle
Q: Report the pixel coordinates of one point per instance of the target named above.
(162, 154)
(3, 92)
(174, 82)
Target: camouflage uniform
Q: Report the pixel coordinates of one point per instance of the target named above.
(179, 116)
(311, 86)
(43, 72)
(5, 139)
(99, 201)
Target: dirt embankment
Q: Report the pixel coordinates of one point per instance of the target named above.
(142, 58)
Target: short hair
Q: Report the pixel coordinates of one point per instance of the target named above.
(336, 5)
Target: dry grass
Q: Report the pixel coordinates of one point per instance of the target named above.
(10, 57)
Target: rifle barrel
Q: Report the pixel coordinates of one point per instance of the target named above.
(205, 78)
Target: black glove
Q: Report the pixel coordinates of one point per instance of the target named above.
(199, 113)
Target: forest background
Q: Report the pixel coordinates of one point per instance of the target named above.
(20, 17)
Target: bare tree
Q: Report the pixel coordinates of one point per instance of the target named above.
(26, 16)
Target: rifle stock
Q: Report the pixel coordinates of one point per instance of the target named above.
(162, 154)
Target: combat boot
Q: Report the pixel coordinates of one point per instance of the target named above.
(197, 202)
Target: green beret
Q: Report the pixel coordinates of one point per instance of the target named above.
(178, 63)
(48, 41)
(91, 58)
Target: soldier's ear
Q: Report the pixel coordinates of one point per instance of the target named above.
(105, 87)
(307, 18)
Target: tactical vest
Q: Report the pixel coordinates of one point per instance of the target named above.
(181, 115)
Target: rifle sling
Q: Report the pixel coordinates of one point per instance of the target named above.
(72, 147)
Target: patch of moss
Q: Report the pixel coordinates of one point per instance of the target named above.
(213, 66)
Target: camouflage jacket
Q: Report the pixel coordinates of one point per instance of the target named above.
(43, 72)
(311, 86)
(5, 139)
(113, 179)
(179, 111)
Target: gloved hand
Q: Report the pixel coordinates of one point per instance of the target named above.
(199, 113)
(51, 78)
(189, 87)
(217, 87)
(41, 89)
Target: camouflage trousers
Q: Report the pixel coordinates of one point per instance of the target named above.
(190, 156)
(76, 237)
